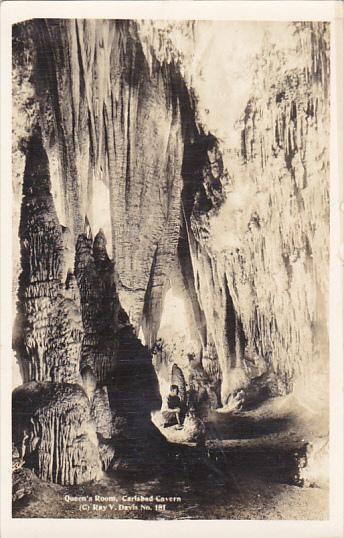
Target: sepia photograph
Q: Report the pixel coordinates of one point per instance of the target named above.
(170, 268)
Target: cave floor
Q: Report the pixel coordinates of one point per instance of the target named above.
(249, 469)
(247, 497)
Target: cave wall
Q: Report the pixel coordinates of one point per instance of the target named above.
(256, 197)
(71, 333)
(260, 247)
(130, 151)
(115, 144)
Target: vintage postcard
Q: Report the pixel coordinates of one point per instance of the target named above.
(171, 269)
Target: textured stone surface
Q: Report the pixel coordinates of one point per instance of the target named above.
(22, 483)
(53, 421)
(49, 328)
(95, 275)
(120, 135)
(237, 232)
(101, 413)
(258, 249)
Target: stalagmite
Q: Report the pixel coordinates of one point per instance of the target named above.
(99, 304)
(51, 345)
(61, 441)
(101, 413)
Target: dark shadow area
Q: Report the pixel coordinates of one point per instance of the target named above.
(242, 427)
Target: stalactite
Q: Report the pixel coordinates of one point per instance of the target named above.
(127, 141)
(283, 154)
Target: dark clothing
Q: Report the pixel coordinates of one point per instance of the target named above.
(173, 402)
(170, 418)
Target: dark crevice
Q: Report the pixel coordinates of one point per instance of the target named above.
(149, 325)
(230, 324)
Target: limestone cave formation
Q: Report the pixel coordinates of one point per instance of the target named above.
(127, 207)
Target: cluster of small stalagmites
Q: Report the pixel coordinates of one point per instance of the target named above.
(106, 454)
(99, 303)
(54, 430)
(197, 374)
(210, 362)
(203, 385)
(276, 218)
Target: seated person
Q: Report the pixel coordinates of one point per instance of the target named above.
(175, 412)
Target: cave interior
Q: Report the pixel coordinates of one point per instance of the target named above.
(119, 289)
